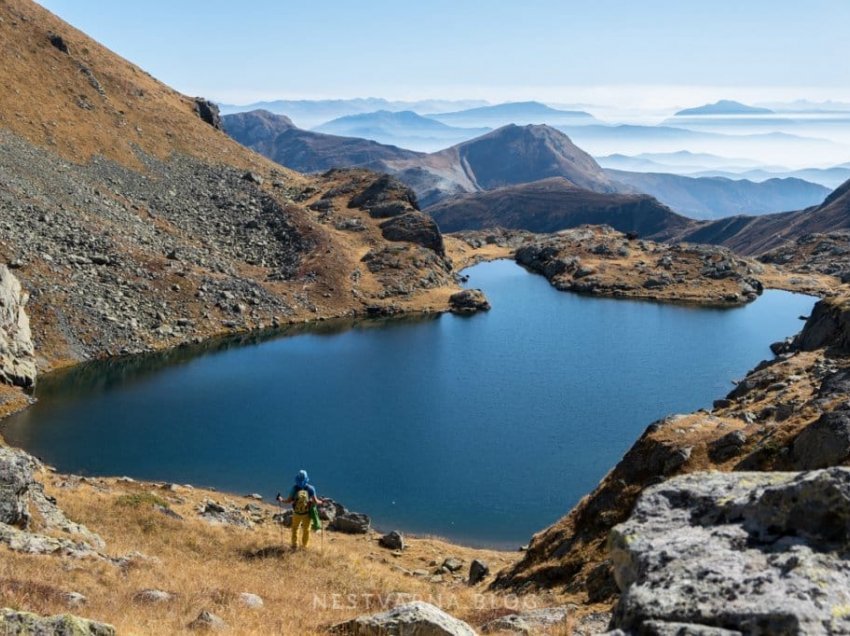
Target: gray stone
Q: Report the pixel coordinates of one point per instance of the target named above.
(478, 570)
(153, 596)
(529, 622)
(756, 553)
(825, 442)
(16, 480)
(207, 621)
(74, 599)
(251, 601)
(392, 541)
(452, 564)
(411, 619)
(351, 523)
(26, 623)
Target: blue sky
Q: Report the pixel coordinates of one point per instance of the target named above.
(656, 52)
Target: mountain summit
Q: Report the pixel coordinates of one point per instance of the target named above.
(724, 107)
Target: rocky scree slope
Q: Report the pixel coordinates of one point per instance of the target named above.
(789, 413)
(135, 223)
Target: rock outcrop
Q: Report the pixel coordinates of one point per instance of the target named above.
(828, 326)
(15, 622)
(604, 262)
(18, 491)
(208, 111)
(17, 353)
(469, 301)
(753, 553)
(414, 619)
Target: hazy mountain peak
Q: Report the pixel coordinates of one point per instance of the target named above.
(724, 107)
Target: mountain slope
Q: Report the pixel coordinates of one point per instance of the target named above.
(135, 224)
(276, 137)
(716, 197)
(508, 156)
(755, 235)
(554, 204)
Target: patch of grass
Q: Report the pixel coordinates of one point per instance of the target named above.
(139, 499)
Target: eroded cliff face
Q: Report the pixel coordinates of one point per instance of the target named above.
(789, 413)
(17, 354)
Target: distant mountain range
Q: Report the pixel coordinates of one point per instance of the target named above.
(758, 234)
(308, 113)
(276, 137)
(520, 113)
(724, 107)
(717, 197)
(404, 128)
(555, 204)
(512, 156)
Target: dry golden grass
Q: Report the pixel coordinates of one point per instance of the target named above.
(208, 566)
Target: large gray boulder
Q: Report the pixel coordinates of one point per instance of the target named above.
(15, 622)
(753, 553)
(17, 353)
(352, 523)
(411, 619)
(16, 479)
(529, 622)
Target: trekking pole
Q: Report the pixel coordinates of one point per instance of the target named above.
(280, 522)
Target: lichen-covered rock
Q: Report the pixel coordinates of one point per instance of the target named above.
(26, 623)
(352, 523)
(411, 619)
(754, 553)
(414, 227)
(825, 442)
(17, 353)
(529, 622)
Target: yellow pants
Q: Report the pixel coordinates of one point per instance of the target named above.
(304, 522)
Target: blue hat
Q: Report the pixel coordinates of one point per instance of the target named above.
(301, 478)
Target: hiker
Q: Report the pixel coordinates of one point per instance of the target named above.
(304, 500)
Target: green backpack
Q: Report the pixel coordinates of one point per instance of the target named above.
(301, 506)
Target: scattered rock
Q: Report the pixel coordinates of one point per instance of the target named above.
(351, 523)
(253, 177)
(478, 570)
(468, 301)
(207, 621)
(529, 622)
(392, 541)
(216, 513)
(153, 596)
(25, 623)
(452, 564)
(251, 601)
(58, 42)
(414, 619)
(747, 552)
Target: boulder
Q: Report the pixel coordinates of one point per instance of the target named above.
(478, 571)
(452, 564)
(751, 553)
(215, 513)
(825, 442)
(411, 619)
(17, 352)
(468, 301)
(15, 622)
(352, 523)
(384, 191)
(392, 541)
(727, 446)
(208, 112)
(207, 622)
(152, 596)
(414, 227)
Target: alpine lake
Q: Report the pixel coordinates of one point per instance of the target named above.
(481, 429)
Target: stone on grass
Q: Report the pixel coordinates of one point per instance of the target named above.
(392, 541)
(414, 619)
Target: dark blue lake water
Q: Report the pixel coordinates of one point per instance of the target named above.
(482, 429)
